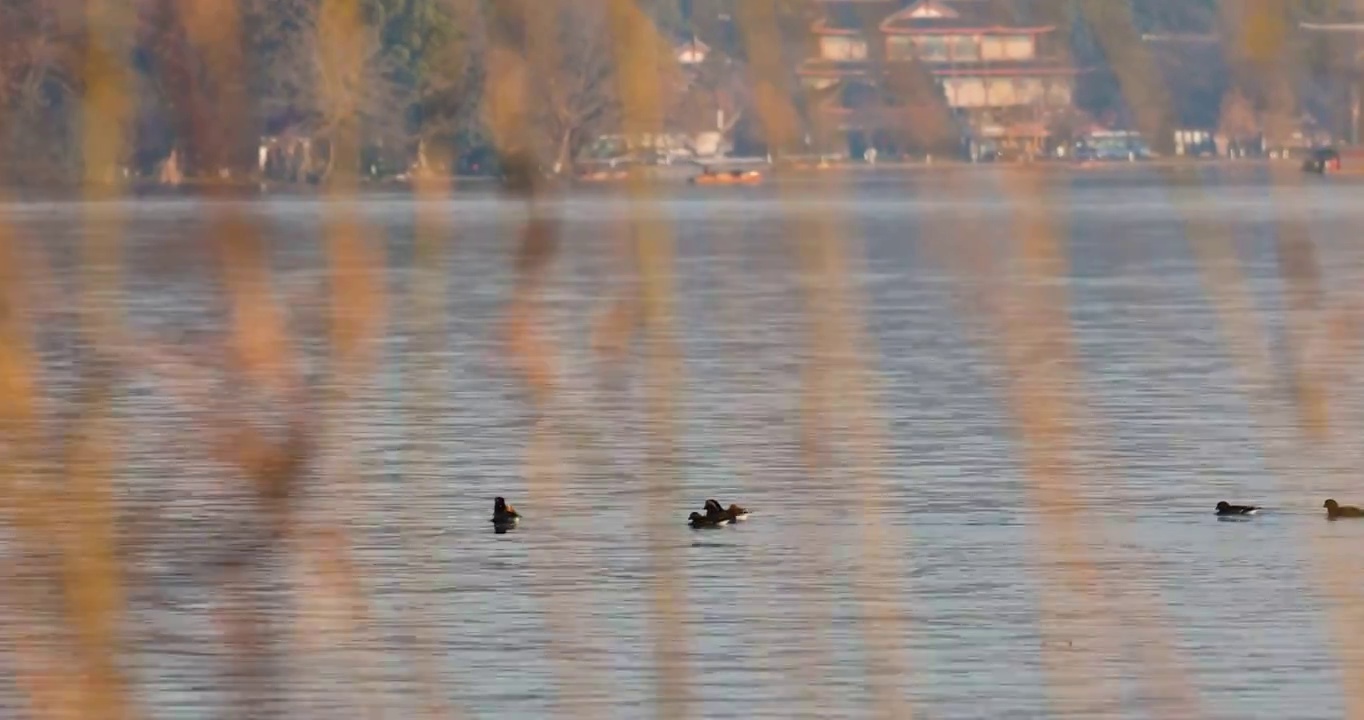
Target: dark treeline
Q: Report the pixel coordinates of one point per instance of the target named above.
(208, 79)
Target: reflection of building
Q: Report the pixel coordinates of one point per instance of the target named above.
(1001, 77)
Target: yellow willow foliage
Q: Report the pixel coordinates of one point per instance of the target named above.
(1264, 29)
(636, 44)
(355, 261)
(839, 386)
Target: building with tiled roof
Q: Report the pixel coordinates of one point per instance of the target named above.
(1002, 77)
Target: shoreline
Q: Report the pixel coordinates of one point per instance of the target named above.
(218, 189)
(1048, 165)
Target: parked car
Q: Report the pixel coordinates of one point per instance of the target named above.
(1322, 161)
(1111, 145)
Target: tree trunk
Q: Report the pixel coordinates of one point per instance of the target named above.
(326, 171)
(303, 168)
(170, 169)
(730, 121)
(1354, 112)
(562, 160)
(422, 166)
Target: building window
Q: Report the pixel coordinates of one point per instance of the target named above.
(1029, 91)
(842, 49)
(965, 92)
(932, 48)
(817, 83)
(899, 47)
(1058, 93)
(1018, 47)
(991, 48)
(1007, 47)
(964, 48)
(1000, 92)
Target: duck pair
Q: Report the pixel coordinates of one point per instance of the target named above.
(1334, 510)
(717, 515)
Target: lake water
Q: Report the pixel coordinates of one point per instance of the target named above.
(558, 618)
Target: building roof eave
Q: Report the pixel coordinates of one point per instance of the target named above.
(997, 72)
(809, 69)
(1354, 27)
(970, 30)
(820, 27)
(1188, 38)
(862, 70)
(832, 74)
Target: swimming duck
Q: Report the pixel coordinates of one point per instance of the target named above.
(1226, 508)
(505, 516)
(734, 513)
(699, 521)
(737, 513)
(1336, 510)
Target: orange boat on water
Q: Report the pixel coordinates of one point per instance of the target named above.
(731, 177)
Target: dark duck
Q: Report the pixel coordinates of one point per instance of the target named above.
(699, 521)
(1336, 510)
(1226, 509)
(733, 513)
(505, 516)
